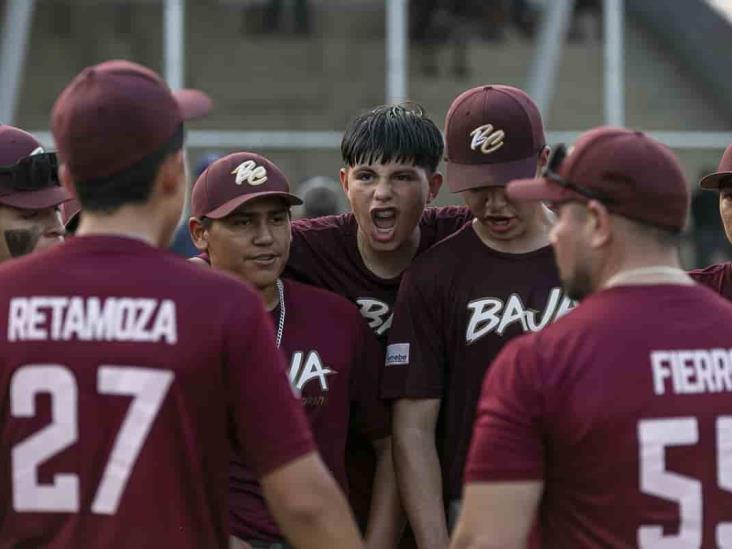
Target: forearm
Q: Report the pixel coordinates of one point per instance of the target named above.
(386, 519)
(324, 523)
(420, 485)
(310, 509)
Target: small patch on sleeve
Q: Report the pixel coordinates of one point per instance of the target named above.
(397, 354)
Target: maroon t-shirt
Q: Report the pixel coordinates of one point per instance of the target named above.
(123, 372)
(333, 365)
(324, 253)
(459, 304)
(717, 277)
(624, 409)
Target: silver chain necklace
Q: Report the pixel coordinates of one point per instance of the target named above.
(281, 324)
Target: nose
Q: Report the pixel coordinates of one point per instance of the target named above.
(496, 198)
(383, 190)
(54, 228)
(263, 236)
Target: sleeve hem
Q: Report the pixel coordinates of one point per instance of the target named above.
(288, 455)
(498, 475)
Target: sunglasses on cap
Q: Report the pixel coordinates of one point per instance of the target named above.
(551, 172)
(31, 173)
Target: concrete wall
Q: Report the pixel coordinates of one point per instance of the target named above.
(318, 81)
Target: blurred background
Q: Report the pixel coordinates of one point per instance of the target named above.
(287, 75)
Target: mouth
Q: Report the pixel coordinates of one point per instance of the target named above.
(499, 223)
(384, 221)
(264, 260)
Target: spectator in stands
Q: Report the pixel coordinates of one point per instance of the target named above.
(272, 15)
(321, 196)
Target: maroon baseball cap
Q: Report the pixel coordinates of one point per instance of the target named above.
(117, 114)
(493, 134)
(235, 179)
(634, 175)
(724, 171)
(15, 145)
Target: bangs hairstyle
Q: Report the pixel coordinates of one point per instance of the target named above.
(399, 133)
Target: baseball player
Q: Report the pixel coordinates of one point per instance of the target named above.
(241, 218)
(719, 277)
(390, 157)
(30, 195)
(125, 371)
(614, 424)
(463, 299)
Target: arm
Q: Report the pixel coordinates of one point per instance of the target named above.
(497, 515)
(308, 505)
(505, 467)
(418, 470)
(385, 517)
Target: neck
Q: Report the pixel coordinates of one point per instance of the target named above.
(271, 296)
(645, 270)
(135, 222)
(535, 237)
(388, 263)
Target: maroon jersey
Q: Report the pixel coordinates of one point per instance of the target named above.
(122, 371)
(717, 277)
(334, 360)
(324, 253)
(459, 303)
(624, 409)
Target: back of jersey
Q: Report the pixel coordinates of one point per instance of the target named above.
(638, 417)
(114, 396)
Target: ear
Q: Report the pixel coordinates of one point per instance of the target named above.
(199, 234)
(343, 176)
(172, 173)
(600, 224)
(435, 182)
(543, 159)
(66, 180)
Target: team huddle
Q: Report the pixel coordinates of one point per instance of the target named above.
(533, 368)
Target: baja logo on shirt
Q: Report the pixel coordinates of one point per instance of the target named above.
(251, 173)
(377, 313)
(304, 369)
(494, 315)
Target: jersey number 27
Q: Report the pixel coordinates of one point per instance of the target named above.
(148, 388)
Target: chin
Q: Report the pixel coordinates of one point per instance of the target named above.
(385, 246)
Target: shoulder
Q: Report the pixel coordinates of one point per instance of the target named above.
(445, 214)
(323, 301)
(713, 272)
(322, 227)
(442, 257)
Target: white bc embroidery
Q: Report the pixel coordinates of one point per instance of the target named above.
(487, 138)
(251, 173)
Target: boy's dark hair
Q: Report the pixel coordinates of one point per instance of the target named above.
(400, 133)
(133, 185)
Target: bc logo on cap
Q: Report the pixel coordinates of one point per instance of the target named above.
(487, 138)
(251, 173)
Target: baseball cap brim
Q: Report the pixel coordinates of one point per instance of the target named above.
(714, 180)
(461, 177)
(227, 207)
(36, 200)
(192, 103)
(538, 189)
